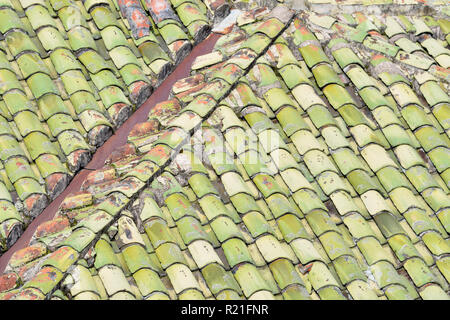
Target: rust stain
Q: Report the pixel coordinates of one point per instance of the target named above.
(158, 151)
(267, 183)
(52, 227)
(377, 57)
(114, 142)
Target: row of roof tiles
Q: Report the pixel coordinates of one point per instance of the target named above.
(279, 169)
(296, 211)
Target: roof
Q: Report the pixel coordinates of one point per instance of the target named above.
(72, 72)
(305, 157)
